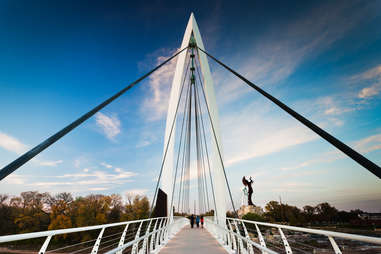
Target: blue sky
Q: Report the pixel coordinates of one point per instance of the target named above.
(61, 58)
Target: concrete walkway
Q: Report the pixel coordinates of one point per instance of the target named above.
(193, 241)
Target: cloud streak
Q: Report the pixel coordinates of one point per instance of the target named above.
(372, 78)
(156, 105)
(14, 145)
(110, 125)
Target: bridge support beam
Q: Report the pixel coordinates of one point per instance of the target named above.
(219, 182)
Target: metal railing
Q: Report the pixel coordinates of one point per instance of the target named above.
(149, 235)
(237, 237)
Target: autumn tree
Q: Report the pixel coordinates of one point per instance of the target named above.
(33, 215)
(61, 211)
(137, 207)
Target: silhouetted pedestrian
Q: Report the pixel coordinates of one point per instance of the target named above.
(198, 221)
(202, 221)
(191, 220)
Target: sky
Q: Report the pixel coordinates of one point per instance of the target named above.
(322, 58)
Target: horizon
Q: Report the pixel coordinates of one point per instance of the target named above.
(322, 59)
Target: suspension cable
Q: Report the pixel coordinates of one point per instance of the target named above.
(207, 157)
(11, 167)
(202, 148)
(217, 144)
(178, 152)
(360, 159)
(200, 158)
(166, 148)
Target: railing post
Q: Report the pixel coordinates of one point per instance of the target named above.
(229, 238)
(45, 245)
(261, 239)
(146, 239)
(334, 245)
(98, 242)
(153, 236)
(121, 241)
(157, 234)
(162, 232)
(285, 242)
(232, 236)
(240, 243)
(136, 245)
(249, 246)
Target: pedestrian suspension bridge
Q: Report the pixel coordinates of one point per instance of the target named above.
(192, 106)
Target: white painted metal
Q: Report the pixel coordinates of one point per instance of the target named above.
(361, 238)
(121, 241)
(146, 239)
(167, 175)
(250, 247)
(232, 236)
(162, 232)
(218, 176)
(17, 237)
(97, 242)
(153, 237)
(181, 223)
(328, 234)
(239, 239)
(334, 245)
(45, 245)
(157, 235)
(136, 245)
(261, 239)
(227, 230)
(285, 242)
(219, 182)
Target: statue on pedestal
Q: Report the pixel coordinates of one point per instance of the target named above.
(248, 184)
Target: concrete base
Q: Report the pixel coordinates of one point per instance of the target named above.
(249, 209)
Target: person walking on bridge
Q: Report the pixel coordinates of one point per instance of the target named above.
(191, 219)
(198, 221)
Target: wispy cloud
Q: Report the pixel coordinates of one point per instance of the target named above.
(156, 104)
(80, 182)
(110, 125)
(50, 163)
(274, 56)
(106, 165)
(134, 192)
(364, 145)
(259, 134)
(372, 80)
(12, 144)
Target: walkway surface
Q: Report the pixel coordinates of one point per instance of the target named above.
(193, 241)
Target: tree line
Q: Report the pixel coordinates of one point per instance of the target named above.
(321, 214)
(33, 211)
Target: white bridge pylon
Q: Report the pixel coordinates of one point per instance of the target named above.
(219, 182)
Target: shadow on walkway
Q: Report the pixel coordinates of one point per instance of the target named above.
(193, 241)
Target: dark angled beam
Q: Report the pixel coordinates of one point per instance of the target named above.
(11, 167)
(369, 165)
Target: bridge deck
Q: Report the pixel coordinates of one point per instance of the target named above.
(193, 241)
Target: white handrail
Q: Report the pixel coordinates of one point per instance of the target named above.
(121, 248)
(248, 241)
(368, 239)
(9, 238)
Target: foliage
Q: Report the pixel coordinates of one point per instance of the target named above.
(33, 211)
(253, 217)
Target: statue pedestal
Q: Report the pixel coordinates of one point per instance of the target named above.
(249, 209)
